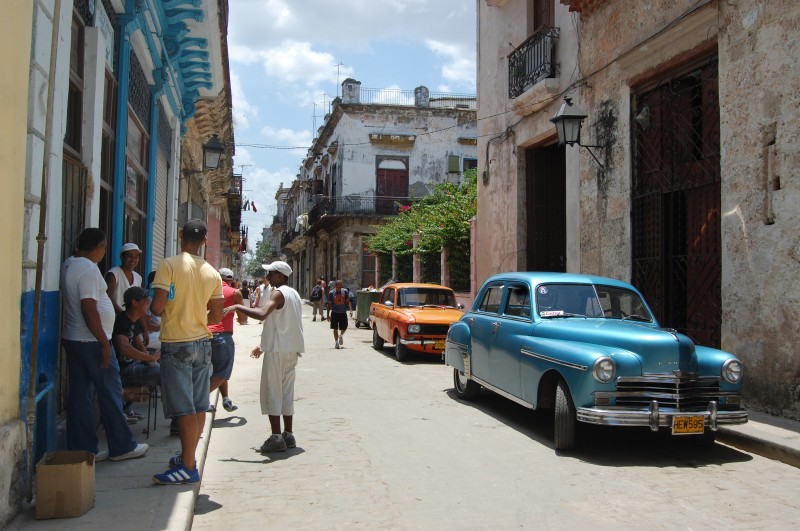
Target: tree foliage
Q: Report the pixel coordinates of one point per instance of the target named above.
(260, 256)
(442, 220)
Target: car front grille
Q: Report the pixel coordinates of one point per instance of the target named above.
(682, 393)
(434, 330)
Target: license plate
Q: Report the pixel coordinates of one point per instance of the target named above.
(688, 425)
(439, 345)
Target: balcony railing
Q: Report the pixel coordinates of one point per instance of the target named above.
(437, 100)
(356, 206)
(533, 61)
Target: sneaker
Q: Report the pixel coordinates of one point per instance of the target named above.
(314, 319)
(101, 455)
(139, 451)
(275, 443)
(177, 476)
(176, 461)
(341, 340)
(228, 404)
(335, 344)
(132, 414)
(132, 420)
(288, 437)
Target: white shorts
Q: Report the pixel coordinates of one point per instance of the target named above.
(277, 383)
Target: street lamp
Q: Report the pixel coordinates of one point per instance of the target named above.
(568, 122)
(212, 152)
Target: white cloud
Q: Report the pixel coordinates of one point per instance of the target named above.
(293, 61)
(460, 65)
(287, 138)
(242, 109)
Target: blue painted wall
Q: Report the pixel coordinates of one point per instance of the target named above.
(46, 366)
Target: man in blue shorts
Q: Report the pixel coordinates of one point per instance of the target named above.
(188, 297)
(338, 305)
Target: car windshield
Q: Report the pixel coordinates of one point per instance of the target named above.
(587, 300)
(426, 297)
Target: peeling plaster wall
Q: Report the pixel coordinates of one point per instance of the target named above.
(506, 127)
(759, 91)
(435, 140)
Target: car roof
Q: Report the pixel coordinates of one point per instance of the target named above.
(544, 277)
(401, 285)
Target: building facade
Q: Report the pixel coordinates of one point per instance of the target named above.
(377, 150)
(686, 186)
(116, 100)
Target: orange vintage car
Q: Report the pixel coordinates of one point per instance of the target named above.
(413, 317)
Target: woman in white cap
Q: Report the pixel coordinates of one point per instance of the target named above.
(122, 277)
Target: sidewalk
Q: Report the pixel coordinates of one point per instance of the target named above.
(127, 499)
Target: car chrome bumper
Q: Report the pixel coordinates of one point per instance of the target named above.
(656, 418)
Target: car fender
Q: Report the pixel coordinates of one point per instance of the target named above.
(710, 361)
(457, 348)
(573, 362)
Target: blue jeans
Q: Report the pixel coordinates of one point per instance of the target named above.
(140, 373)
(222, 351)
(85, 378)
(185, 377)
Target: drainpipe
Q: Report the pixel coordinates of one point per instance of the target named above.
(151, 181)
(127, 26)
(41, 238)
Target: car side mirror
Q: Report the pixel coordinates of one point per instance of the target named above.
(460, 306)
(390, 304)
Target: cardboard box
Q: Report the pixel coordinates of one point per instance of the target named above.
(64, 484)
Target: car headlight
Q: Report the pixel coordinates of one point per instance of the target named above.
(604, 370)
(732, 371)
(413, 329)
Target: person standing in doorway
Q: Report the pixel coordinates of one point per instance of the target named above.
(281, 345)
(92, 367)
(188, 297)
(338, 306)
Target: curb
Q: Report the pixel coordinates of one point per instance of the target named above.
(760, 446)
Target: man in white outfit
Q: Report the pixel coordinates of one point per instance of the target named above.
(281, 344)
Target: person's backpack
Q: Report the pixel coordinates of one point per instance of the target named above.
(316, 293)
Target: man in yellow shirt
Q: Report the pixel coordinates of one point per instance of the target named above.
(188, 297)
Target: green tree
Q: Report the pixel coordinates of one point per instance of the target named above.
(442, 220)
(260, 256)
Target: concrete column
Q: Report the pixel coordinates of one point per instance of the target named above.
(416, 264)
(351, 91)
(445, 271)
(94, 77)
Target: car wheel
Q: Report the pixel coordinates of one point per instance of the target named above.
(400, 350)
(566, 422)
(466, 389)
(377, 341)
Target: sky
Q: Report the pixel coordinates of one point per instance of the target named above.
(289, 57)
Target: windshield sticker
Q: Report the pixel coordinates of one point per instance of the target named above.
(543, 290)
(551, 313)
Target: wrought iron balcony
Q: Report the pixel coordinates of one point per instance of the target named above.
(533, 61)
(356, 205)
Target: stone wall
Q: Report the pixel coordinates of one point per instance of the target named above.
(759, 90)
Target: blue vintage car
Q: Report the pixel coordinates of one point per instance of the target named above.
(590, 348)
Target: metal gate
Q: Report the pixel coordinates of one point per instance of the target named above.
(676, 200)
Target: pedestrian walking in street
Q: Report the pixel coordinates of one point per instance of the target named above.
(338, 305)
(324, 286)
(316, 297)
(188, 297)
(222, 346)
(88, 321)
(281, 345)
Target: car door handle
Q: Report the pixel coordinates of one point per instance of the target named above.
(471, 321)
(495, 327)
